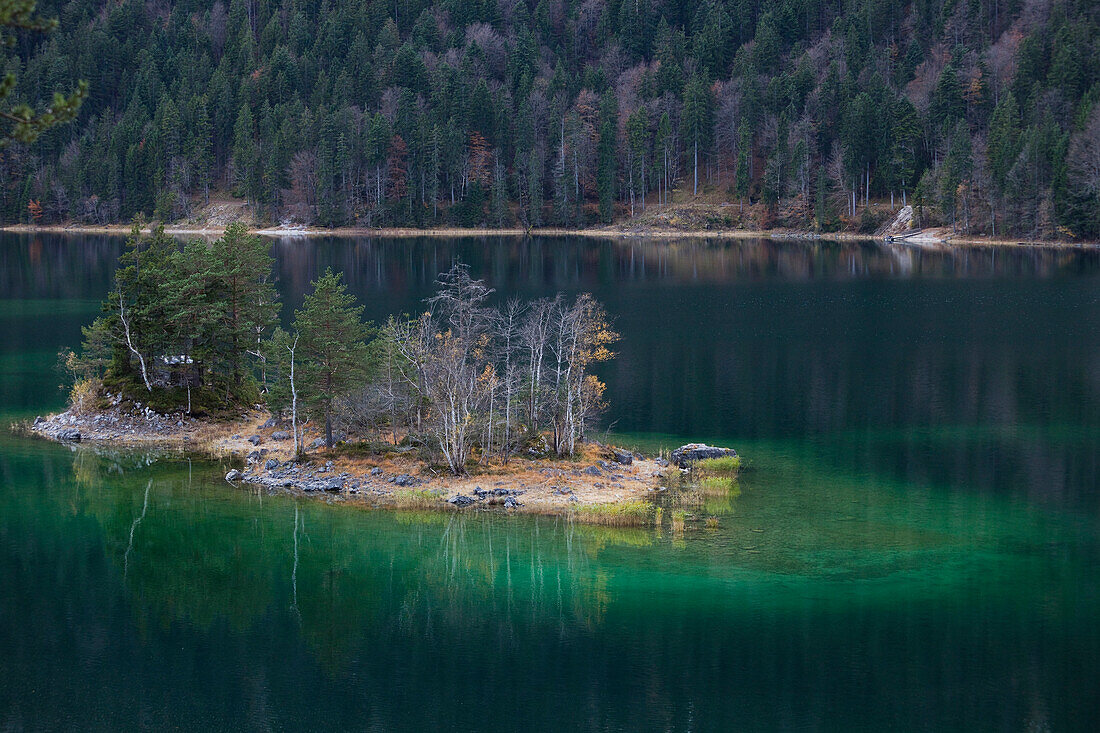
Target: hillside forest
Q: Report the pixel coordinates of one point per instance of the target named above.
(811, 114)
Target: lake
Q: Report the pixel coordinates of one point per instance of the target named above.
(915, 543)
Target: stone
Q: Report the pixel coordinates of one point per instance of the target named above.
(592, 471)
(688, 454)
(69, 435)
(461, 500)
(255, 439)
(317, 443)
(280, 435)
(623, 457)
(662, 462)
(376, 471)
(39, 420)
(511, 503)
(233, 475)
(255, 456)
(269, 424)
(480, 492)
(271, 464)
(407, 480)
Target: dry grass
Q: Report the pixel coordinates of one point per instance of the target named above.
(679, 517)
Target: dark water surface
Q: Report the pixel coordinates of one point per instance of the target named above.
(915, 546)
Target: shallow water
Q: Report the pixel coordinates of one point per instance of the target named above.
(914, 545)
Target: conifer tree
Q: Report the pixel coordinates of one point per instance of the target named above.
(332, 352)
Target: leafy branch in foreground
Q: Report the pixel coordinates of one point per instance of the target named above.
(25, 125)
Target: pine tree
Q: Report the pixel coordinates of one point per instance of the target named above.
(332, 350)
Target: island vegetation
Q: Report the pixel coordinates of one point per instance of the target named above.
(811, 115)
(194, 329)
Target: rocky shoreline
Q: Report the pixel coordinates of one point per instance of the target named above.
(600, 476)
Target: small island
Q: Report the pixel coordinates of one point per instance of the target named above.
(462, 405)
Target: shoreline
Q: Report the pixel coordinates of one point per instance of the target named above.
(596, 487)
(933, 238)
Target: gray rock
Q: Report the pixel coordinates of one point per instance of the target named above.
(39, 420)
(255, 439)
(233, 475)
(255, 456)
(69, 435)
(280, 435)
(407, 480)
(688, 454)
(376, 471)
(662, 463)
(461, 500)
(505, 492)
(317, 443)
(592, 471)
(623, 457)
(269, 424)
(480, 492)
(271, 464)
(511, 503)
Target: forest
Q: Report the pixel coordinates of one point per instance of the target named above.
(811, 114)
(193, 329)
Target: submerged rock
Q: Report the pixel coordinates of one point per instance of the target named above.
(687, 454)
(69, 435)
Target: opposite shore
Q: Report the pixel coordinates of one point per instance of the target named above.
(938, 237)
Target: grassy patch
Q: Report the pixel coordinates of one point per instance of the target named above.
(724, 466)
(679, 516)
(416, 499)
(626, 514)
(720, 485)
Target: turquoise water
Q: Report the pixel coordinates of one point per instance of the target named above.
(914, 544)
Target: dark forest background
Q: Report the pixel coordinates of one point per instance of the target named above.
(820, 114)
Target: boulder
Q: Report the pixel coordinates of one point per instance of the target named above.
(69, 435)
(407, 480)
(280, 435)
(255, 456)
(255, 439)
(623, 457)
(317, 444)
(510, 503)
(592, 471)
(688, 454)
(233, 475)
(269, 424)
(271, 464)
(461, 500)
(39, 420)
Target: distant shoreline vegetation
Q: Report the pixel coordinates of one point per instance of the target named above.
(192, 329)
(807, 116)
